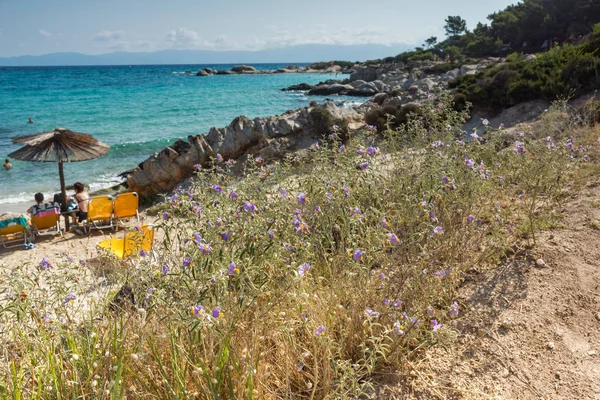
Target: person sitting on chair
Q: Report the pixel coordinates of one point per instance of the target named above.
(40, 206)
(82, 198)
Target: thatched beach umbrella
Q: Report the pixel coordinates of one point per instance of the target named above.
(60, 145)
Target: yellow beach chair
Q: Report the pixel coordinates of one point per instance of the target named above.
(131, 244)
(100, 213)
(48, 221)
(14, 232)
(126, 206)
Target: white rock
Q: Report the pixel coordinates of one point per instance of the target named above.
(550, 345)
(540, 263)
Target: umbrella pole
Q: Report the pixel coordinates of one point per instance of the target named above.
(63, 191)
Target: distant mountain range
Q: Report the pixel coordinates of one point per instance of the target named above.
(295, 54)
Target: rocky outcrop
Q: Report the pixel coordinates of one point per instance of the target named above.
(270, 138)
(240, 69)
(301, 86)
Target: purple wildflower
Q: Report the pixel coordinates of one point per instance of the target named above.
(342, 149)
(233, 195)
(371, 313)
(435, 325)
(149, 292)
(259, 160)
(357, 255)
(320, 331)
(143, 253)
(226, 236)
(302, 198)
(216, 312)
(519, 149)
(453, 309)
(197, 238)
(205, 248)
(438, 230)
(197, 310)
(385, 224)
(187, 262)
(393, 239)
(303, 269)
(347, 191)
(398, 329)
(283, 193)
(45, 263)
(233, 269)
(442, 273)
(165, 269)
(219, 158)
(197, 167)
(217, 188)
(165, 216)
(363, 166)
(69, 299)
(485, 122)
(373, 151)
(271, 234)
(250, 207)
(470, 218)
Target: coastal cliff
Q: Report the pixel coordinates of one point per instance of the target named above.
(270, 138)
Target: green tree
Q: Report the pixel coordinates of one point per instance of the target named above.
(455, 25)
(430, 42)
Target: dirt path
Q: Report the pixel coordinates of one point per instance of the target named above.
(531, 326)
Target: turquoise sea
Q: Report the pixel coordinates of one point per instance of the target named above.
(137, 110)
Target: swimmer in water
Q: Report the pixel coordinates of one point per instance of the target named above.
(30, 120)
(7, 164)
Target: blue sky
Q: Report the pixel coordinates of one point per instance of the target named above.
(33, 27)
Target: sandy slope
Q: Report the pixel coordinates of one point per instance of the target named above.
(530, 327)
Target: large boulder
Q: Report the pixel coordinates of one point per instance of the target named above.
(301, 86)
(269, 137)
(243, 69)
(202, 73)
(224, 72)
(326, 90)
(467, 70)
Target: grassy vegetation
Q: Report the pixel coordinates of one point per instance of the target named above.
(302, 279)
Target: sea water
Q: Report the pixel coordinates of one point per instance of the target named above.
(137, 110)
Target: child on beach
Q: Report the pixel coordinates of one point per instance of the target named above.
(40, 206)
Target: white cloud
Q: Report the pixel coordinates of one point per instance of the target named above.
(107, 36)
(127, 45)
(183, 38)
(45, 33)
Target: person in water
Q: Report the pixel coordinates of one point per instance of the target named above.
(30, 120)
(7, 164)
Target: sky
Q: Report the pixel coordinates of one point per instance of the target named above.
(35, 27)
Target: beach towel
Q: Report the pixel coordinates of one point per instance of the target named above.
(38, 209)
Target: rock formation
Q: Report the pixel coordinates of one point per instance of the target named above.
(270, 138)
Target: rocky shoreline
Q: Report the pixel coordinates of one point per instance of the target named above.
(416, 79)
(270, 138)
(289, 69)
(273, 137)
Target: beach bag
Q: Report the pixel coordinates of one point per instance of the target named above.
(72, 204)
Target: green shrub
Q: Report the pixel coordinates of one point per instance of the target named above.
(394, 115)
(562, 71)
(321, 120)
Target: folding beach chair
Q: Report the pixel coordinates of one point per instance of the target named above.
(131, 244)
(100, 213)
(14, 232)
(48, 221)
(126, 206)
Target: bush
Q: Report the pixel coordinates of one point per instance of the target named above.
(321, 120)
(395, 115)
(562, 71)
